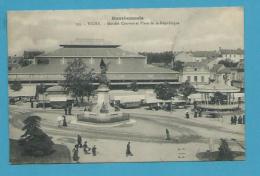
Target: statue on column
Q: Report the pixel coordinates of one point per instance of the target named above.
(103, 78)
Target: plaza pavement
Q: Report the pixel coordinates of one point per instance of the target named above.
(112, 149)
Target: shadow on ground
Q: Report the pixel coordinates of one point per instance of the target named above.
(212, 156)
(61, 155)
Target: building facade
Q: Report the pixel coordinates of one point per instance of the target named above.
(196, 73)
(124, 67)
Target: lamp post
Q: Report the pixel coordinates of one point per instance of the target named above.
(44, 99)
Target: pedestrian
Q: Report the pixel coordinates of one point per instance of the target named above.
(59, 120)
(232, 120)
(244, 120)
(239, 120)
(200, 113)
(76, 153)
(167, 134)
(187, 115)
(65, 110)
(235, 119)
(86, 149)
(70, 108)
(195, 113)
(31, 103)
(64, 121)
(94, 150)
(79, 141)
(128, 150)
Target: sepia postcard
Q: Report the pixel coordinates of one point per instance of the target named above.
(126, 85)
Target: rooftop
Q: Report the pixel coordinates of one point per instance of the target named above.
(89, 43)
(217, 87)
(90, 52)
(232, 51)
(112, 68)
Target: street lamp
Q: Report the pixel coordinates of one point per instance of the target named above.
(44, 99)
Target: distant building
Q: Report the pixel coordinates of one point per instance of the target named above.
(234, 55)
(196, 73)
(237, 79)
(13, 62)
(125, 67)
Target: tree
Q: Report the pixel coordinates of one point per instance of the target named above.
(16, 86)
(24, 62)
(134, 86)
(186, 89)
(165, 91)
(161, 57)
(78, 79)
(228, 63)
(34, 141)
(177, 65)
(225, 153)
(41, 88)
(219, 98)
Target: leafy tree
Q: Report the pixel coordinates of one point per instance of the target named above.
(228, 63)
(177, 65)
(165, 91)
(78, 79)
(161, 57)
(186, 89)
(225, 153)
(34, 141)
(16, 86)
(219, 98)
(134, 86)
(24, 62)
(41, 88)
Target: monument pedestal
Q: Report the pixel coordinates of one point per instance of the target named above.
(102, 111)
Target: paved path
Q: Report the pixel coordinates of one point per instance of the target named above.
(184, 130)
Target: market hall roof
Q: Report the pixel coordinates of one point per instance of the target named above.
(57, 68)
(90, 48)
(90, 52)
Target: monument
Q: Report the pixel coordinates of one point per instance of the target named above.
(101, 110)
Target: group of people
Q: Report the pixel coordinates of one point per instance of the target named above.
(237, 120)
(67, 109)
(85, 147)
(93, 150)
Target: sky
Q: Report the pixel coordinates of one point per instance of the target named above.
(190, 29)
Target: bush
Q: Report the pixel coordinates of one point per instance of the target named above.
(34, 141)
(16, 86)
(225, 153)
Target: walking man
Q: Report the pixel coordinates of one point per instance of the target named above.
(69, 108)
(244, 120)
(79, 141)
(64, 121)
(239, 121)
(128, 150)
(235, 119)
(65, 110)
(232, 120)
(187, 115)
(86, 148)
(94, 150)
(167, 134)
(76, 154)
(195, 113)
